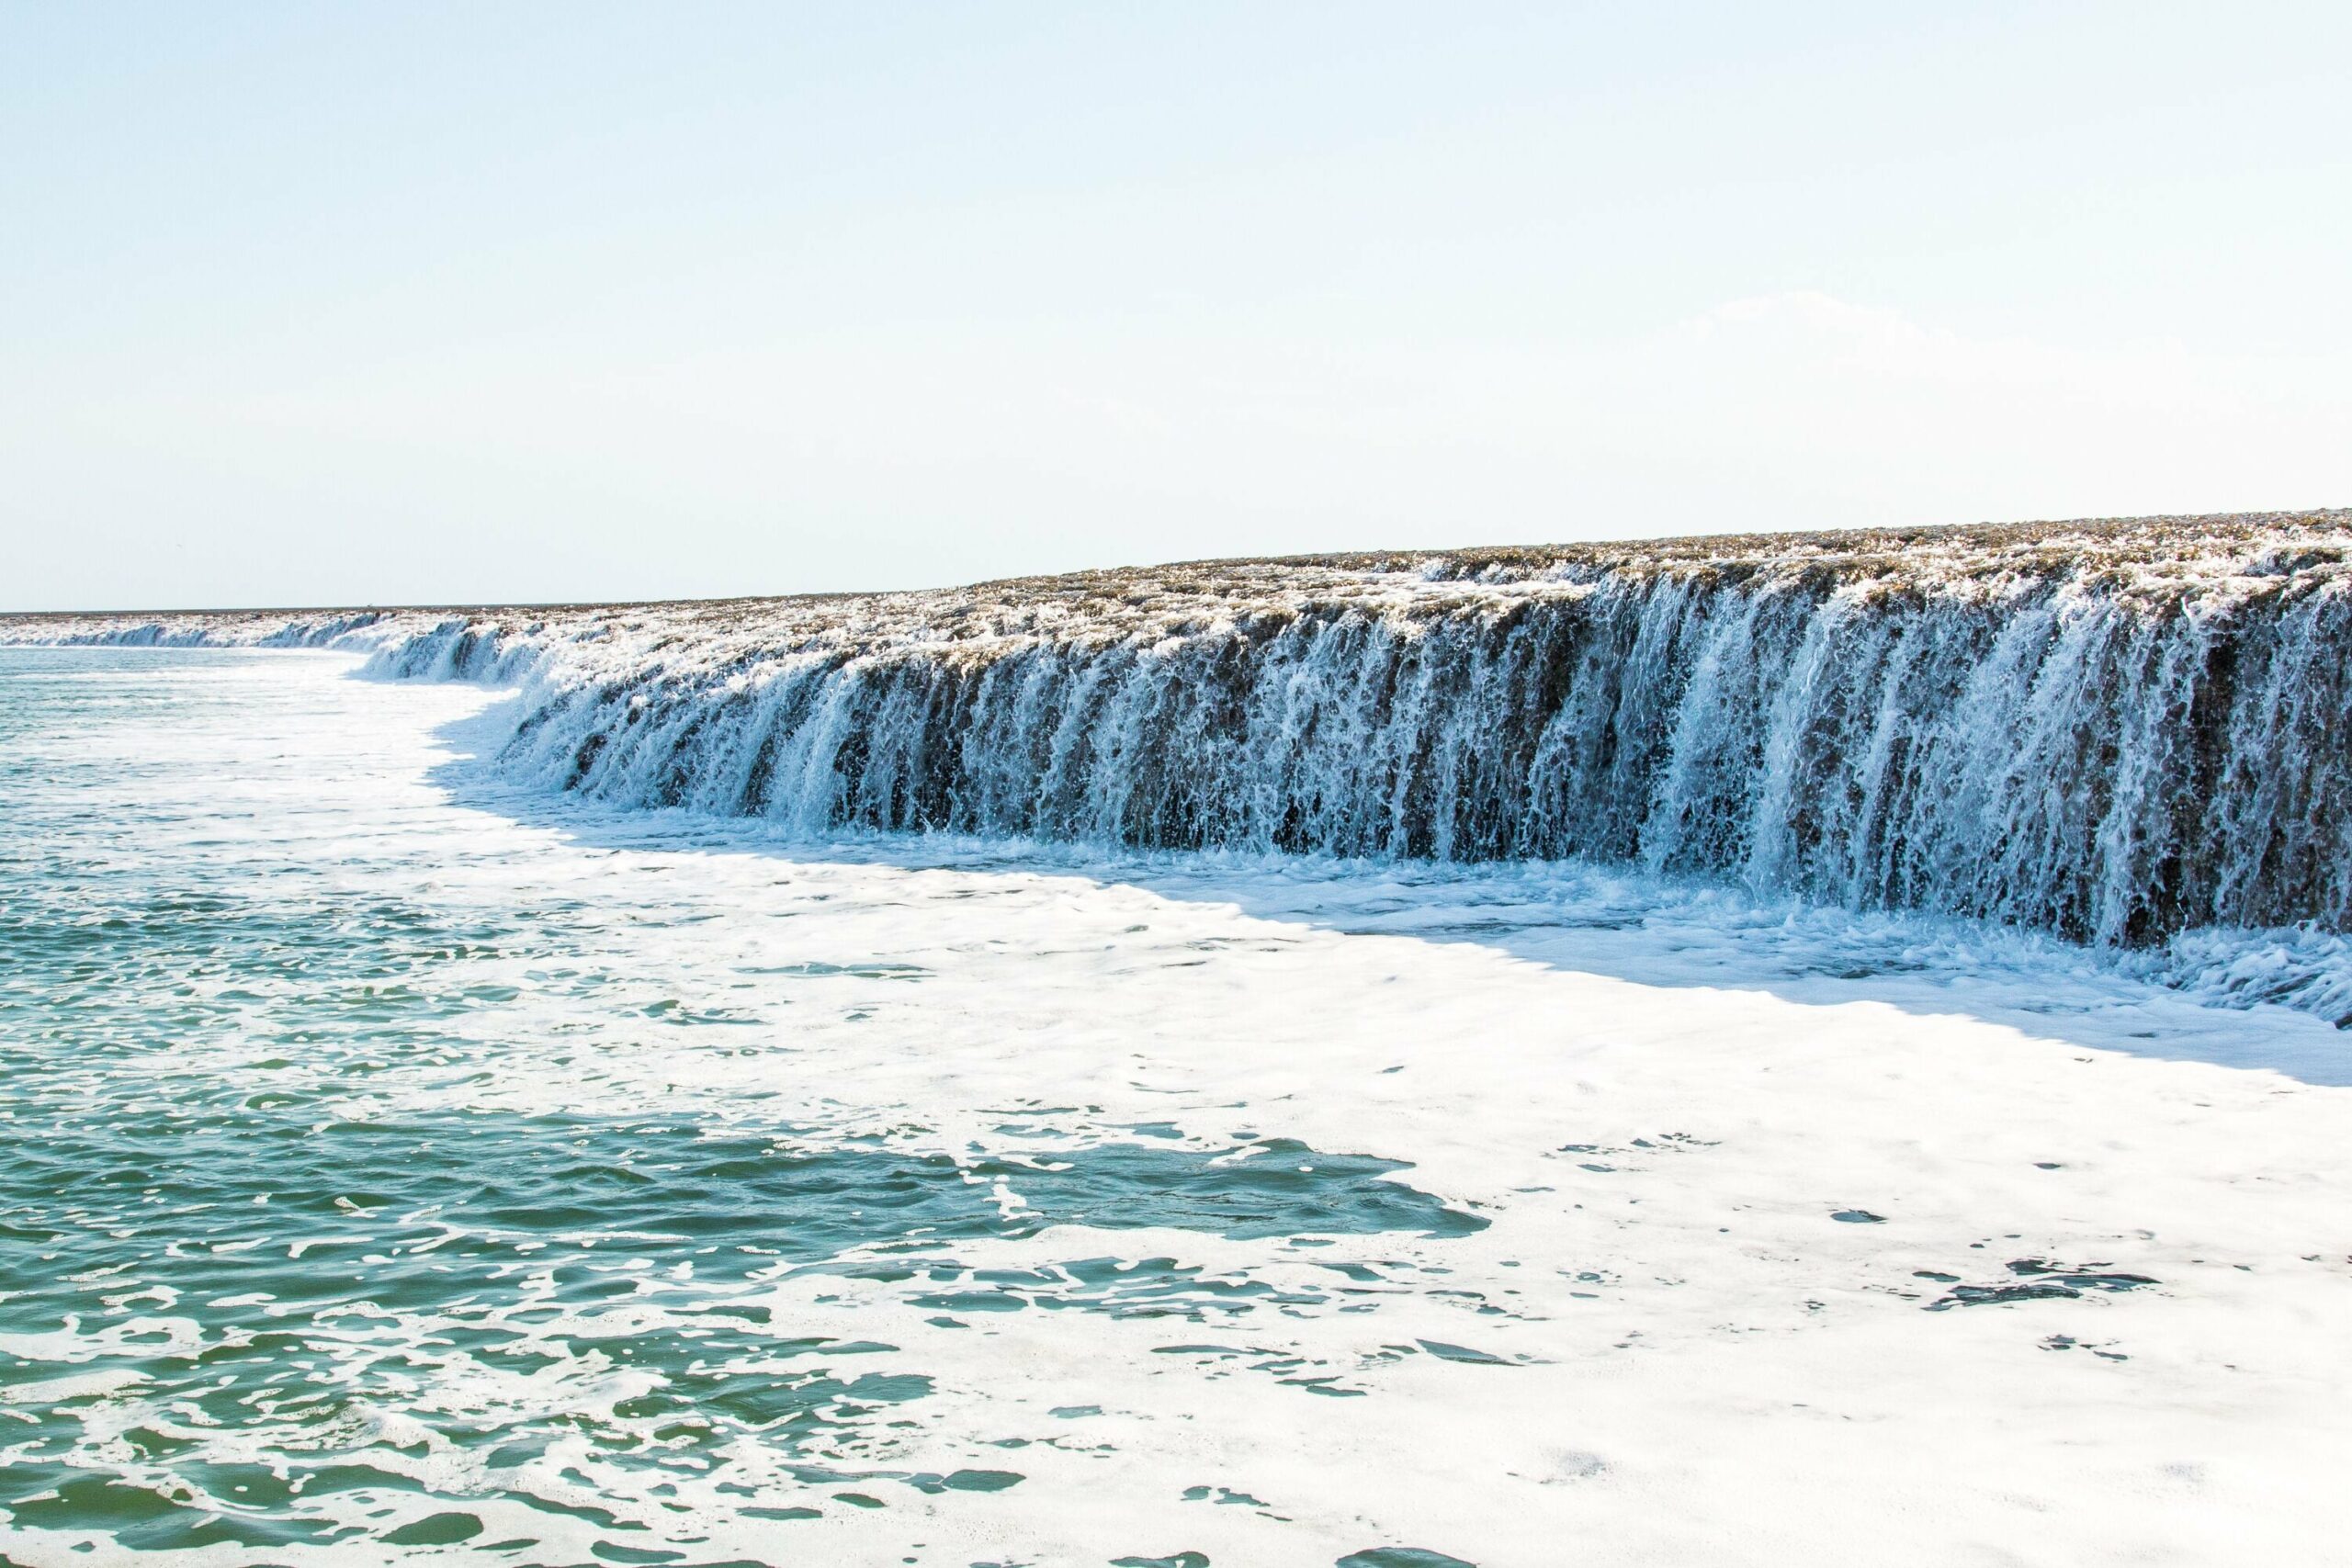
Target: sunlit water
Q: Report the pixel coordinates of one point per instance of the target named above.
(391, 1170)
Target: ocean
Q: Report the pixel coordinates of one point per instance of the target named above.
(405, 1161)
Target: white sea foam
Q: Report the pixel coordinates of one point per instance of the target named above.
(1665, 1347)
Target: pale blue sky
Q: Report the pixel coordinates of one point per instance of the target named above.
(343, 303)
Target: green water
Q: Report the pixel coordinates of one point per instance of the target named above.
(330, 1232)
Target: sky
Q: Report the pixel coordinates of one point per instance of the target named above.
(327, 304)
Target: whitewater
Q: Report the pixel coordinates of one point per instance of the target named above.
(2132, 734)
(1742, 1052)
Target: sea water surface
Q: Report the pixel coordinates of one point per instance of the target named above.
(399, 1168)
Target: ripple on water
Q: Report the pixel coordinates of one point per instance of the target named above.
(509, 1286)
(293, 1261)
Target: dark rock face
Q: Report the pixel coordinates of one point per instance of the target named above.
(2113, 731)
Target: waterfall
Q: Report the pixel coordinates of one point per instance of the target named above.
(2053, 756)
(2117, 733)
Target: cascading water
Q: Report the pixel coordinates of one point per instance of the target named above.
(2118, 733)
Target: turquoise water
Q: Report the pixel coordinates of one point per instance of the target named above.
(337, 1224)
(402, 1165)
